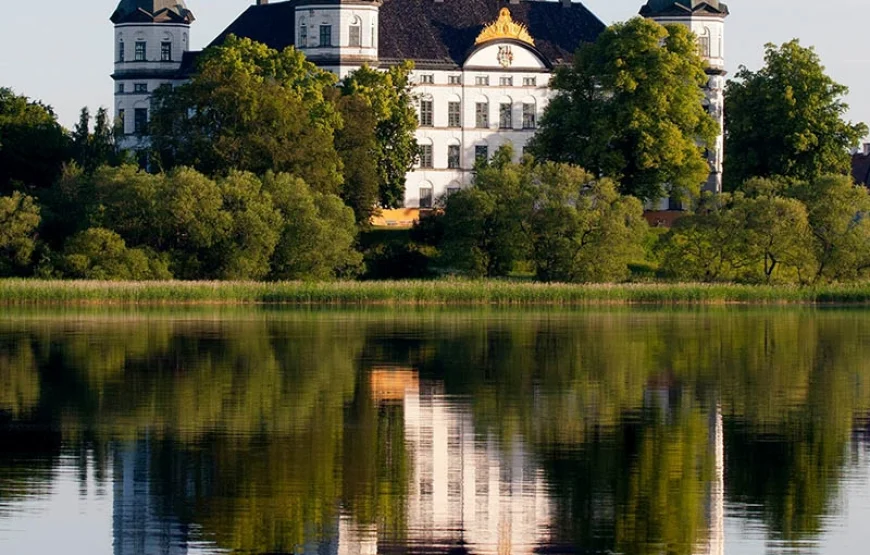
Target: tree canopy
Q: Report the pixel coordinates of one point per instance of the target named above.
(631, 108)
(33, 145)
(786, 119)
(251, 108)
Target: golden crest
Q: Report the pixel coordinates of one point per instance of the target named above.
(505, 28)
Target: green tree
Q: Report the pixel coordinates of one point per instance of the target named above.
(839, 220)
(102, 254)
(19, 218)
(583, 230)
(358, 147)
(318, 234)
(251, 108)
(486, 227)
(631, 108)
(390, 97)
(708, 245)
(33, 145)
(786, 119)
(777, 238)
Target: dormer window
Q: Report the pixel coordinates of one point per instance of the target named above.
(140, 51)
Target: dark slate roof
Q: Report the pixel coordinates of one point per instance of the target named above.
(443, 33)
(861, 168)
(152, 11)
(682, 7)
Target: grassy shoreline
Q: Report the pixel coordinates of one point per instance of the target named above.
(445, 292)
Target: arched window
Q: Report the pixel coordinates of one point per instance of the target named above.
(303, 33)
(704, 43)
(505, 113)
(355, 33)
(454, 154)
(426, 160)
(481, 113)
(530, 113)
(426, 195)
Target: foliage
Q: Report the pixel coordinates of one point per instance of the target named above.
(786, 119)
(251, 108)
(318, 234)
(102, 254)
(571, 226)
(839, 218)
(631, 108)
(91, 150)
(486, 227)
(19, 218)
(33, 145)
(389, 96)
(583, 230)
(357, 145)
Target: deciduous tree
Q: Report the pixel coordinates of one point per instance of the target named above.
(787, 119)
(19, 218)
(251, 108)
(631, 108)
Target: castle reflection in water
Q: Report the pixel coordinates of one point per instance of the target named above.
(468, 492)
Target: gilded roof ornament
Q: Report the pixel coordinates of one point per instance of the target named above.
(505, 28)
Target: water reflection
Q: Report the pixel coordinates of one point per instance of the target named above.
(490, 433)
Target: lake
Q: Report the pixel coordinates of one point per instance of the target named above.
(270, 431)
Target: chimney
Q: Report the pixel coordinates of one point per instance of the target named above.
(866, 149)
(566, 3)
(262, 2)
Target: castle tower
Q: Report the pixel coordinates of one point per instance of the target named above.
(338, 35)
(706, 18)
(151, 36)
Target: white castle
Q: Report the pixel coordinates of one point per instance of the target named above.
(482, 67)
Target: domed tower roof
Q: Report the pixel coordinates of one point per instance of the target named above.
(683, 7)
(152, 11)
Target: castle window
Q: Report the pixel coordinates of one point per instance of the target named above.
(505, 116)
(453, 157)
(481, 81)
(140, 121)
(374, 35)
(426, 113)
(325, 35)
(165, 51)
(506, 81)
(454, 79)
(425, 156)
(454, 114)
(481, 153)
(427, 79)
(120, 88)
(140, 87)
(704, 44)
(530, 82)
(140, 51)
(355, 36)
(482, 115)
(426, 196)
(121, 51)
(120, 122)
(529, 116)
(303, 35)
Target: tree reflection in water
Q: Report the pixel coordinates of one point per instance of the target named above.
(278, 432)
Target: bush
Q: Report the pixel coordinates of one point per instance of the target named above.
(101, 254)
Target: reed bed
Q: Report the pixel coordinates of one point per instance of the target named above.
(440, 292)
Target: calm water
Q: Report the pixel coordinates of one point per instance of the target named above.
(256, 431)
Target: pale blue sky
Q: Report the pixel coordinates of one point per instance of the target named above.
(60, 51)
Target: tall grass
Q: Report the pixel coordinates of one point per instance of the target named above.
(446, 292)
